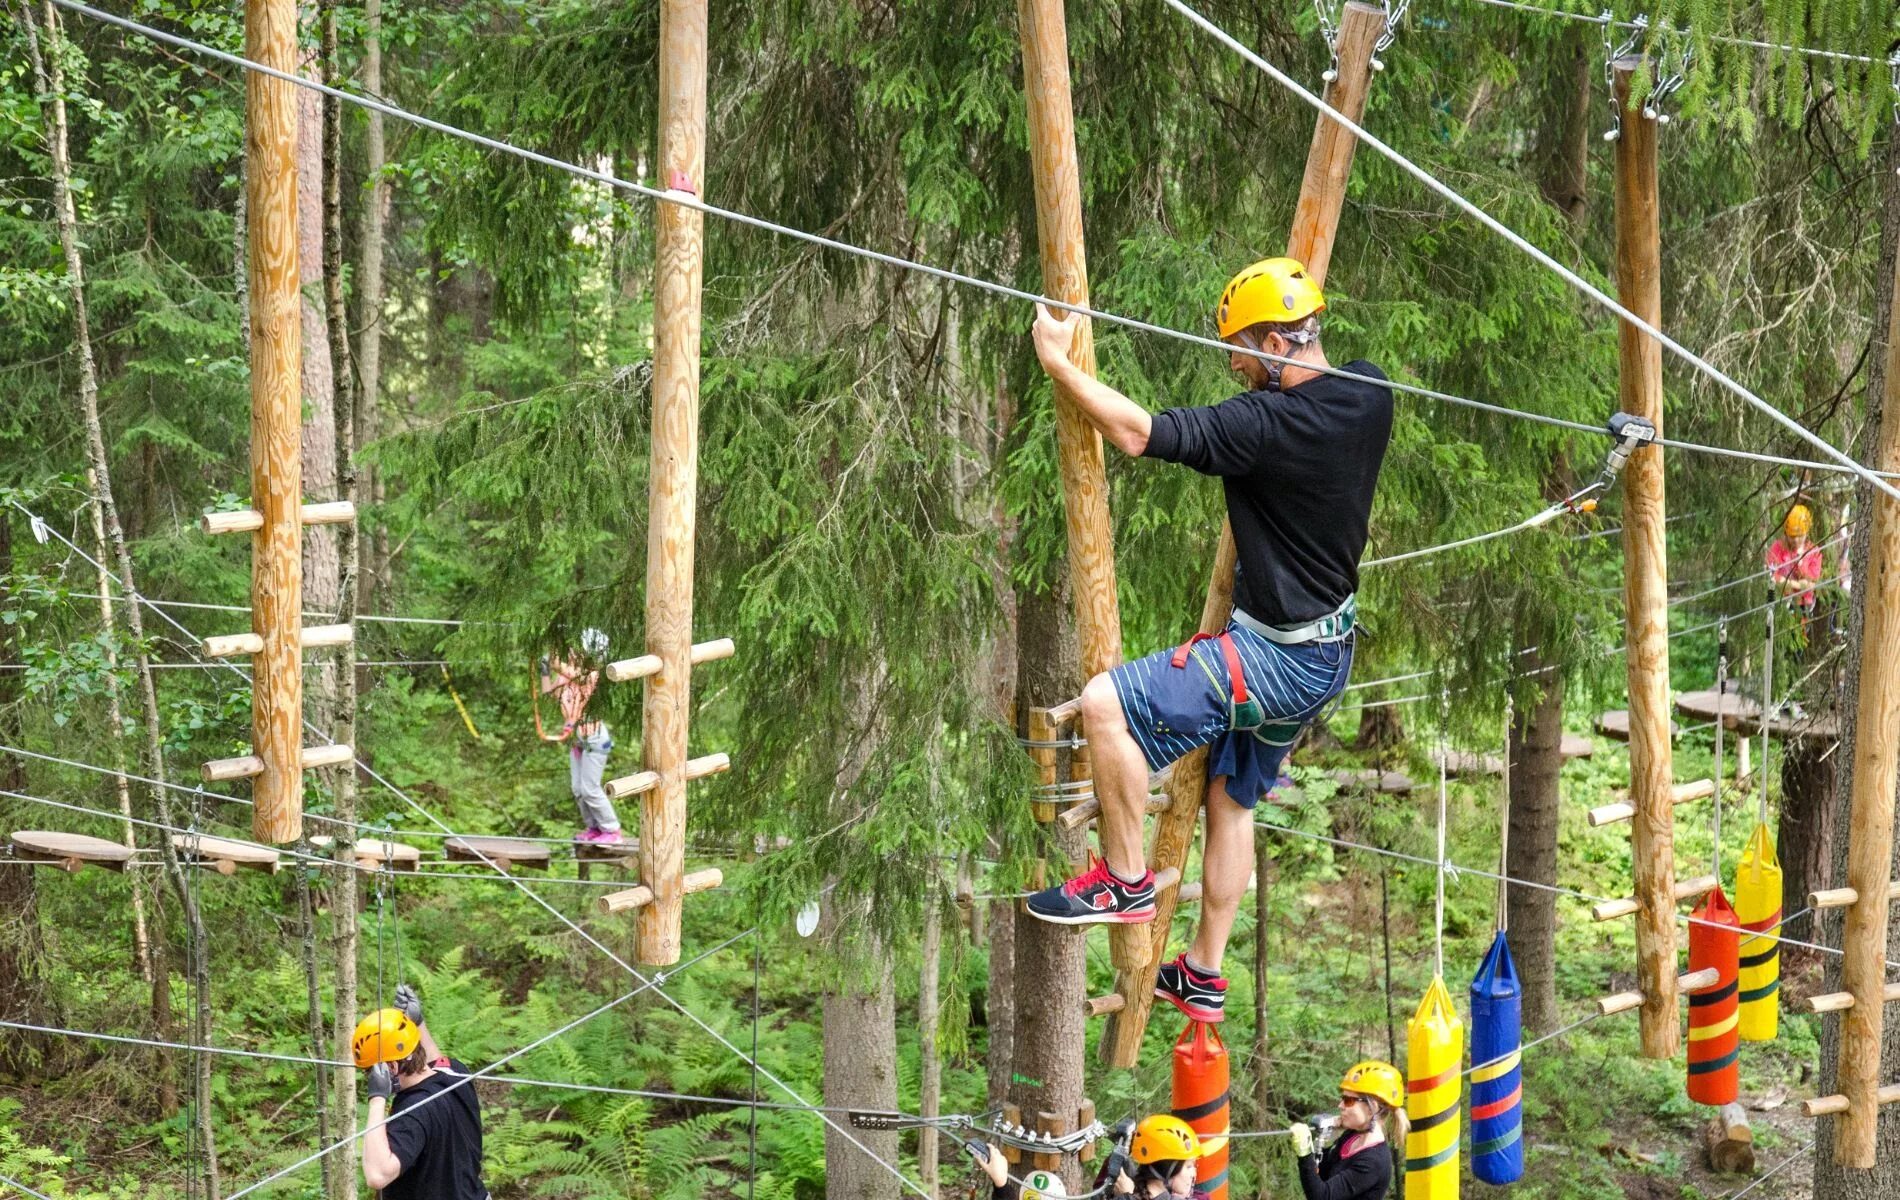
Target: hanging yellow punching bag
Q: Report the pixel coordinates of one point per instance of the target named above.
(1435, 1051)
(1758, 906)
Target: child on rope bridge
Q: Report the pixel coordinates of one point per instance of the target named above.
(431, 1146)
(1298, 455)
(572, 679)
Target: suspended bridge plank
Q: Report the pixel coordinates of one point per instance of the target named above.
(69, 851)
(226, 855)
(1386, 783)
(505, 853)
(1575, 745)
(373, 853)
(1463, 763)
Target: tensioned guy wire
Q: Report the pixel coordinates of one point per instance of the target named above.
(687, 200)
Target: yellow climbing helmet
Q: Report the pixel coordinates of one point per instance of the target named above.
(1381, 1081)
(386, 1035)
(1273, 289)
(1165, 1138)
(1798, 521)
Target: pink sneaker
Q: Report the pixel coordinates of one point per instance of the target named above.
(587, 835)
(606, 837)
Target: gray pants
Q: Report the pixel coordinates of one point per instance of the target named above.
(587, 766)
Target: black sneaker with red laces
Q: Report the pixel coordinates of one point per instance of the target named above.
(1201, 997)
(1095, 898)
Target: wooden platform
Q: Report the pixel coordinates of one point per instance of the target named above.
(1615, 725)
(1460, 763)
(588, 853)
(505, 853)
(1743, 715)
(370, 853)
(69, 851)
(1575, 745)
(226, 855)
(1388, 783)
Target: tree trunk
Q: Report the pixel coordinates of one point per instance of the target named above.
(369, 349)
(1380, 728)
(22, 983)
(999, 1001)
(320, 1076)
(1050, 1035)
(1832, 1181)
(51, 89)
(930, 1088)
(342, 442)
(1536, 752)
(320, 564)
(1804, 838)
(1563, 137)
(860, 1031)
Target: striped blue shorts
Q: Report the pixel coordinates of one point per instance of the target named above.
(1171, 710)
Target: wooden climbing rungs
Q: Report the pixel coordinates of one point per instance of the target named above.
(1085, 812)
(69, 851)
(1828, 1002)
(642, 895)
(311, 637)
(644, 781)
(245, 766)
(249, 520)
(226, 856)
(1686, 889)
(1842, 897)
(1682, 793)
(504, 853)
(1828, 1106)
(1608, 1006)
(646, 665)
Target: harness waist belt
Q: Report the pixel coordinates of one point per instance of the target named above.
(1335, 626)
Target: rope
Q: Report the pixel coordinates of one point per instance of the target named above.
(1444, 788)
(1603, 299)
(1504, 821)
(1721, 690)
(245, 608)
(1604, 19)
(1532, 522)
(1777, 1169)
(689, 201)
(14, 1183)
(1767, 710)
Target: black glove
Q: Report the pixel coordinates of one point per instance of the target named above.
(409, 1002)
(382, 1081)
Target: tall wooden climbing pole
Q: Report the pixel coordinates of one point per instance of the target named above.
(1316, 221)
(1646, 575)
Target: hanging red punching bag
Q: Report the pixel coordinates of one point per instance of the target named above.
(1715, 938)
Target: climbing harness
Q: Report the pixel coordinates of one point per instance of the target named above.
(1243, 711)
(1333, 627)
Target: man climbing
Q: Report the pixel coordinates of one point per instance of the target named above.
(572, 678)
(1298, 455)
(431, 1146)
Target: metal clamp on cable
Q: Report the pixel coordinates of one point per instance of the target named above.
(1631, 434)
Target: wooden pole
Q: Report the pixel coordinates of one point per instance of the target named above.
(1876, 756)
(674, 475)
(1646, 576)
(1328, 164)
(270, 148)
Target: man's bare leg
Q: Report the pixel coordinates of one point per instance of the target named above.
(1121, 779)
(1226, 861)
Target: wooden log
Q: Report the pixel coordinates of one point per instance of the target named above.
(1013, 1118)
(1065, 713)
(228, 855)
(69, 851)
(276, 352)
(1682, 793)
(1038, 729)
(1051, 1125)
(1310, 242)
(1085, 812)
(1625, 1001)
(1646, 577)
(1875, 765)
(1827, 1002)
(1085, 1117)
(505, 853)
(1101, 1006)
(1835, 1105)
(1842, 897)
(1577, 746)
(310, 637)
(247, 766)
(649, 664)
(631, 785)
(673, 474)
(1729, 1141)
(642, 896)
(249, 520)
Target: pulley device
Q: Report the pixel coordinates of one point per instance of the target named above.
(1632, 433)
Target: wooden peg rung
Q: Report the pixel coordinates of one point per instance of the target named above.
(1101, 1006)
(1681, 793)
(1166, 878)
(1065, 712)
(644, 665)
(249, 520)
(1825, 1106)
(710, 764)
(1625, 1001)
(218, 770)
(1079, 815)
(1190, 893)
(1828, 1002)
(310, 637)
(1843, 897)
(631, 785)
(642, 895)
(1686, 889)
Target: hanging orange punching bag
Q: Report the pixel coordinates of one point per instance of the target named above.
(1435, 1050)
(1714, 941)
(1758, 908)
(1200, 1098)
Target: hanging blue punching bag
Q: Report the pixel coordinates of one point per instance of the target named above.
(1497, 1078)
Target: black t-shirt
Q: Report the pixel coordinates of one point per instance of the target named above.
(1299, 468)
(1364, 1176)
(439, 1144)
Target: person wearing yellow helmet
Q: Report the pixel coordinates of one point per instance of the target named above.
(1794, 562)
(430, 1145)
(1165, 1150)
(1357, 1165)
(1298, 454)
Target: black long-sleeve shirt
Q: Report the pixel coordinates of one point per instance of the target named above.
(1365, 1175)
(1299, 469)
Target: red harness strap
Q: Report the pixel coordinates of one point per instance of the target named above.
(1235, 677)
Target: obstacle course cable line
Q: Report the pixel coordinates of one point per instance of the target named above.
(1605, 18)
(689, 201)
(1590, 290)
(518, 883)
